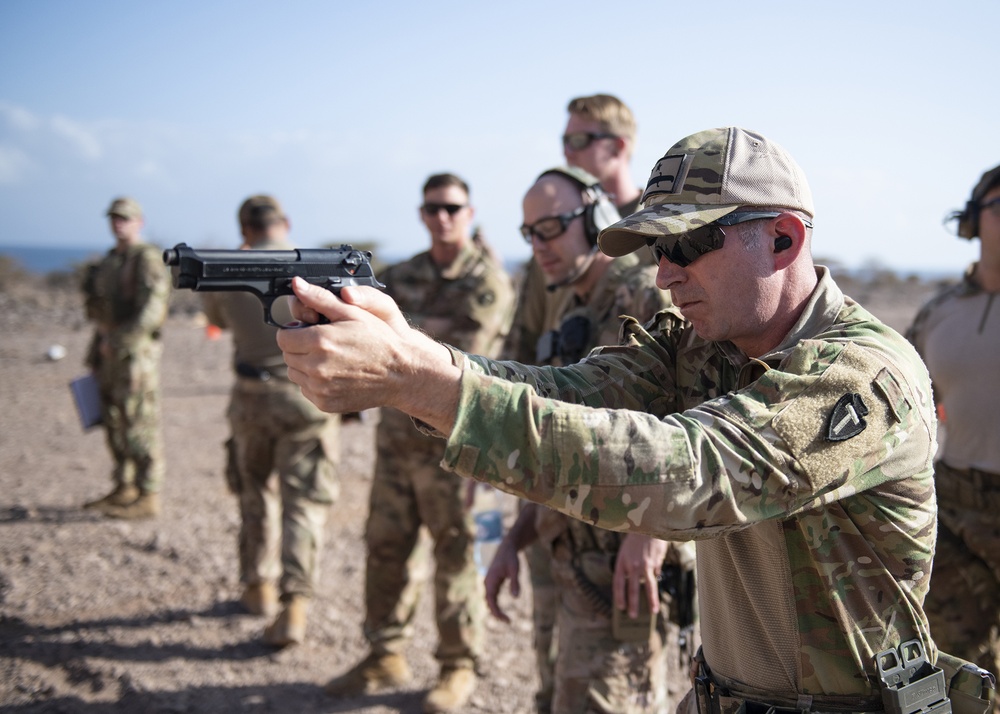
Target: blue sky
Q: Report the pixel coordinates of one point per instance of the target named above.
(342, 109)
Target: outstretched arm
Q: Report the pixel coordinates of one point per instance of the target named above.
(368, 356)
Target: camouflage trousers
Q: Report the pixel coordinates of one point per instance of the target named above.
(130, 411)
(597, 673)
(409, 491)
(544, 610)
(286, 482)
(963, 603)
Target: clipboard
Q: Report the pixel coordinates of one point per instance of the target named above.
(87, 398)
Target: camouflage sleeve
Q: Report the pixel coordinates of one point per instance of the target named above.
(614, 460)
(152, 295)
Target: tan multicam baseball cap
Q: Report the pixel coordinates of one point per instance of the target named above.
(125, 207)
(704, 177)
(260, 210)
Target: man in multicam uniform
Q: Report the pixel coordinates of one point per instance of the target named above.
(281, 451)
(783, 428)
(958, 335)
(599, 138)
(602, 667)
(126, 296)
(455, 292)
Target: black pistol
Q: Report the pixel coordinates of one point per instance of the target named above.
(268, 273)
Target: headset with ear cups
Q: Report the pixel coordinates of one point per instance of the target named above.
(968, 218)
(601, 212)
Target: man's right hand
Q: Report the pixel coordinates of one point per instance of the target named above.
(367, 356)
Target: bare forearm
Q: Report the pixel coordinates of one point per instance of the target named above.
(427, 387)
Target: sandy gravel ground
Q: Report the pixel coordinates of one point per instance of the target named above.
(104, 616)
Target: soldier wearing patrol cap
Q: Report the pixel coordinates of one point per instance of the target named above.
(958, 334)
(281, 453)
(126, 295)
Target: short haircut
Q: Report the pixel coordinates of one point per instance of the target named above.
(610, 112)
(445, 180)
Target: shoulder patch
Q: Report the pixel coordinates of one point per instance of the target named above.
(806, 424)
(847, 419)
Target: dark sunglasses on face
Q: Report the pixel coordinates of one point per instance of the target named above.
(685, 248)
(432, 209)
(580, 140)
(550, 227)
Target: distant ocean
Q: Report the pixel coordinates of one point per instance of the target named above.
(42, 260)
(49, 259)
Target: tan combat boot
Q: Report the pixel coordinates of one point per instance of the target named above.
(289, 628)
(123, 495)
(372, 674)
(452, 691)
(260, 599)
(146, 506)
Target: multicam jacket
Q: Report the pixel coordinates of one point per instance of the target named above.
(804, 476)
(127, 294)
(627, 287)
(468, 304)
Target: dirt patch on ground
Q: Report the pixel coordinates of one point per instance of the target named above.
(102, 616)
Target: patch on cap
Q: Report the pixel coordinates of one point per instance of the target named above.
(705, 177)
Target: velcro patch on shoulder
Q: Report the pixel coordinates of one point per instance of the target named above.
(844, 399)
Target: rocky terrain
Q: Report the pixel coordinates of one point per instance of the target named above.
(105, 616)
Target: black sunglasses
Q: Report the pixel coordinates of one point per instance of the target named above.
(550, 227)
(580, 140)
(432, 209)
(685, 248)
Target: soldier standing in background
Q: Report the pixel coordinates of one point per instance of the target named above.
(598, 665)
(126, 296)
(280, 456)
(599, 139)
(456, 292)
(958, 334)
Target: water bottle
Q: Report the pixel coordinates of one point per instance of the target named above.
(488, 518)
